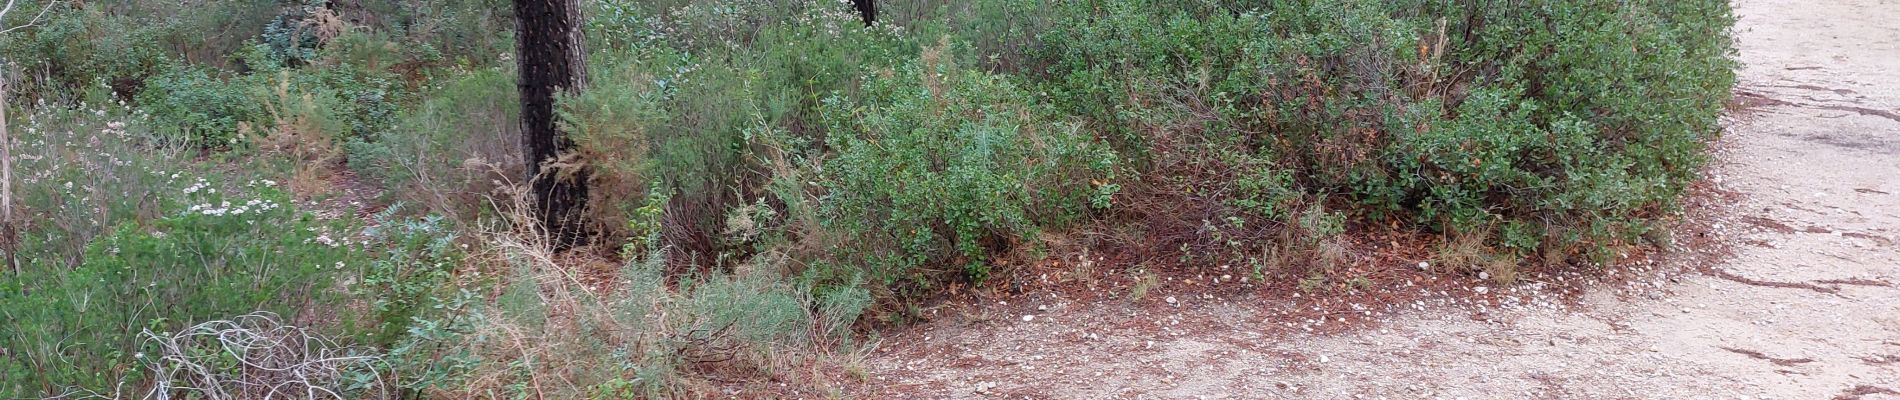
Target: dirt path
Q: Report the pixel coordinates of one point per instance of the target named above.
(1806, 308)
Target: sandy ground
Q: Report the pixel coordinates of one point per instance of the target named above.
(1804, 306)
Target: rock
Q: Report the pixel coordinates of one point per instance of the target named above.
(1027, 318)
(1481, 289)
(1424, 266)
(985, 386)
(1171, 300)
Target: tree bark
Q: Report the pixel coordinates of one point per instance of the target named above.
(553, 61)
(868, 10)
(9, 236)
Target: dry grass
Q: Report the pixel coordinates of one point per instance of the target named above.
(299, 136)
(561, 325)
(1468, 252)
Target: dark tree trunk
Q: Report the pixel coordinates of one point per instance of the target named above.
(553, 61)
(867, 9)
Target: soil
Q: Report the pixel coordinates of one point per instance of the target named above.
(1778, 283)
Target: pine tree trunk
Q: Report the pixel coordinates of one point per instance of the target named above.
(553, 60)
(868, 10)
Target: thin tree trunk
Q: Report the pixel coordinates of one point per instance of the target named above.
(9, 237)
(868, 10)
(553, 61)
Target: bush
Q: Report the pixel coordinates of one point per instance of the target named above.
(937, 165)
(1458, 119)
(410, 277)
(1575, 139)
(225, 254)
(447, 152)
(551, 335)
(123, 231)
(193, 107)
(773, 168)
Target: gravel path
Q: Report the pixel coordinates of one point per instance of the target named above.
(1805, 307)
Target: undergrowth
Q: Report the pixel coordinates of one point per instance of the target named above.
(774, 180)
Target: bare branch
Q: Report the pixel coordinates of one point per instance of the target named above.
(29, 23)
(8, 9)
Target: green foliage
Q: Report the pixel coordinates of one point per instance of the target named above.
(1509, 124)
(638, 339)
(225, 254)
(941, 165)
(292, 36)
(1593, 130)
(408, 279)
(777, 170)
(123, 43)
(193, 107)
(446, 152)
(1131, 63)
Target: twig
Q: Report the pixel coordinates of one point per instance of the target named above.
(32, 22)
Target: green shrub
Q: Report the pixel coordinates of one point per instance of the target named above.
(445, 152)
(124, 231)
(1128, 64)
(1592, 131)
(682, 119)
(410, 276)
(612, 125)
(1458, 119)
(122, 44)
(640, 338)
(938, 165)
(193, 107)
(224, 254)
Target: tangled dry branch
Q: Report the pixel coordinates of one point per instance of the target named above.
(255, 356)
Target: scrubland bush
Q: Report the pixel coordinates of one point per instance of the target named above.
(196, 108)
(124, 234)
(450, 150)
(222, 256)
(643, 334)
(937, 165)
(1517, 119)
(773, 171)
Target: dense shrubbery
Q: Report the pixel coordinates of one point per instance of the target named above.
(124, 234)
(936, 165)
(1555, 126)
(769, 171)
